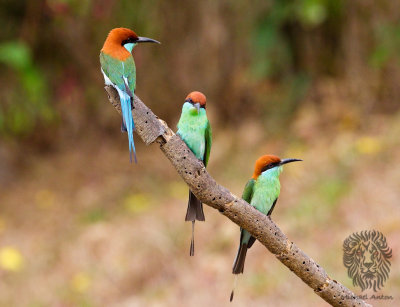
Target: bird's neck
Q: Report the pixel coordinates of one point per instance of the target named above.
(129, 47)
(189, 111)
(270, 174)
(116, 50)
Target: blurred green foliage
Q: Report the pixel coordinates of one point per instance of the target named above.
(269, 56)
(275, 49)
(27, 101)
(387, 45)
(278, 36)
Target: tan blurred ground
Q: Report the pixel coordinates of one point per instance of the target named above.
(95, 231)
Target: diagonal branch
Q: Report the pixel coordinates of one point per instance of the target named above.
(152, 129)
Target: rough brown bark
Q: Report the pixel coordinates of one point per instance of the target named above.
(152, 129)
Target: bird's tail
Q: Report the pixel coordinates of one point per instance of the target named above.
(194, 212)
(126, 108)
(191, 253)
(233, 289)
(238, 265)
(194, 209)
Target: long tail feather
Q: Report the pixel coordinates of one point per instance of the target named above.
(123, 126)
(238, 265)
(245, 242)
(233, 288)
(194, 212)
(192, 241)
(128, 121)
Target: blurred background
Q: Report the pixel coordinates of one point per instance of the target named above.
(310, 79)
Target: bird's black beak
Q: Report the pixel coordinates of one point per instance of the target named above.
(142, 39)
(285, 161)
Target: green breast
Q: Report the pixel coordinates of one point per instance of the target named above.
(266, 190)
(192, 127)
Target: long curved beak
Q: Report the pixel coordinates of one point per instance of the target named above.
(197, 106)
(285, 161)
(142, 39)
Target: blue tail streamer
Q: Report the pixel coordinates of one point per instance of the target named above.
(128, 120)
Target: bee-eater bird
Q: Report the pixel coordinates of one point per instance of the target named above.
(195, 130)
(262, 192)
(119, 71)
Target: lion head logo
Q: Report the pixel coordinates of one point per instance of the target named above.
(366, 256)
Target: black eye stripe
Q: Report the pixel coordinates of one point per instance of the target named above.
(129, 40)
(269, 166)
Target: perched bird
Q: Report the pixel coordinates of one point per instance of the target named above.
(119, 71)
(195, 130)
(262, 192)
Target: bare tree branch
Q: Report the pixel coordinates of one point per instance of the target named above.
(152, 129)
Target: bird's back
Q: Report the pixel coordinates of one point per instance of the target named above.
(116, 70)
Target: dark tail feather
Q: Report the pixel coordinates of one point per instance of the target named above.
(251, 242)
(192, 241)
(194, 212)
(238, 265)
(195, 209)
(233, 289)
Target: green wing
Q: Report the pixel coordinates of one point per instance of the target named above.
(247, 195)
(208, 139)
(248, 190)
(116, 70)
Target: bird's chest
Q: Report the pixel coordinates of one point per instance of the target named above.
(266, 190)
(192, 133)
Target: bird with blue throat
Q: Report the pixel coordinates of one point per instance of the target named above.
(262, 192)
(119, 71)
(195, 130)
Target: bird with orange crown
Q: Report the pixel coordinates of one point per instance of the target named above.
(119, 71)
(262, 192)
(195, 130)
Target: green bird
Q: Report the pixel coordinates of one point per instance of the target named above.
(195, 130)
(119, 71)
(262, 192)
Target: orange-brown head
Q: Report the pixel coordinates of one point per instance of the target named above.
(197, 97)
(118, 38)
(267, 162)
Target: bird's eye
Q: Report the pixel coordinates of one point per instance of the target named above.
(128, 41)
